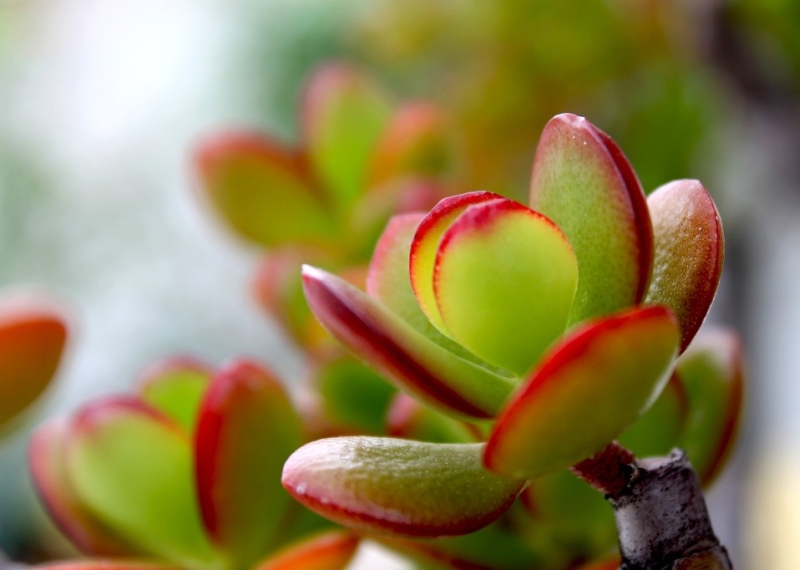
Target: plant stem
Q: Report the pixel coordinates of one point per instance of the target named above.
(662, 519)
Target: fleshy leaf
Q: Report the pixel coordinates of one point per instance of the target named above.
(407, 418)
(414, 143)
(399, 487)
(33, 332)
(80, 525)
(583, 182)
(505, 279)
(689, 251)
(106, 565)
(331, 550)
(175, 387)
(400, 353)
(261, 190)
(588, 389)
(422, 259)
(247, 428)
(132, 466)
(659, 429)
(343, 116)
(712, 370)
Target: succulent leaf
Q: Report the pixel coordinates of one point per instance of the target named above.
(106, 565)
(689, 252)
(343, 114)
(712, 369)
(247, 428)
(587, 390)
(331, 550)
(399, 487)
(504, 282)
(400, 353)
(132, 466)
(659, 429)
(583, 182)
(175, 387)
(80, 525)
(409, 419)
(33, 333)
(261, 190)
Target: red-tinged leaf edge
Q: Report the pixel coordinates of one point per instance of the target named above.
(329, 550)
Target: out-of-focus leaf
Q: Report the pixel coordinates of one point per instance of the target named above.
(353, 396)
(689, 251)
(106, 565)
(660, 428)
(712, 370)
(504, 281)
(399, 487)
(422, 259)
(588, 389)
(175, 387)
(583, 182)
(33, 332)
(80, 525)
(262, 190)
(343, 116)
(410, 419)
(607, 564)
(132, 466)
(331, 550)
(399, 352)
(247, 428)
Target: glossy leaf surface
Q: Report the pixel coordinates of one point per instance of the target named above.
(505, 279)
(261, 190)
(132, 466)
(175, 387)
(246, 430)
(588, 389)
(399, 487)
(399, 352)
(583, 182)
(689, 252)
(331, 550)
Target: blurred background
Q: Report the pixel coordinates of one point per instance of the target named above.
(101, 103)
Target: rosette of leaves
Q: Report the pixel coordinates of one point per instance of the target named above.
(185, 473)
(539, 334)
(361, 158)
(33, 333)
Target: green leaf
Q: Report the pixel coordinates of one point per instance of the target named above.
(175, 387)
(505, 279)
(583, 182)
(132, 466)
(712, 370)
(262, 190)
(409, 419)
(399, 487)
(343, 116)
(33, 332)
(658, 431)
(247, 428)
(689, 251)
(401, 354)
(587, 390)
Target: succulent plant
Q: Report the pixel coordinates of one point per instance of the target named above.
(33, 334)
(549, 328)
(185, 473)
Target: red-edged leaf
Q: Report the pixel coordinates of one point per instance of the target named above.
(33, 332)
(175, 386)
(330, 550)
(712, 369)
(261, 190)
(422, 259)
(689, 251)
(399, 487)
(400, 353)
(51, 480)
(588, 389)
(583, 182)
(247, 428)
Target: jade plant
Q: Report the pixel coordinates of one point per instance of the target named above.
(185, 473)
(33, 334)
(533, 340)
(361, 158)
